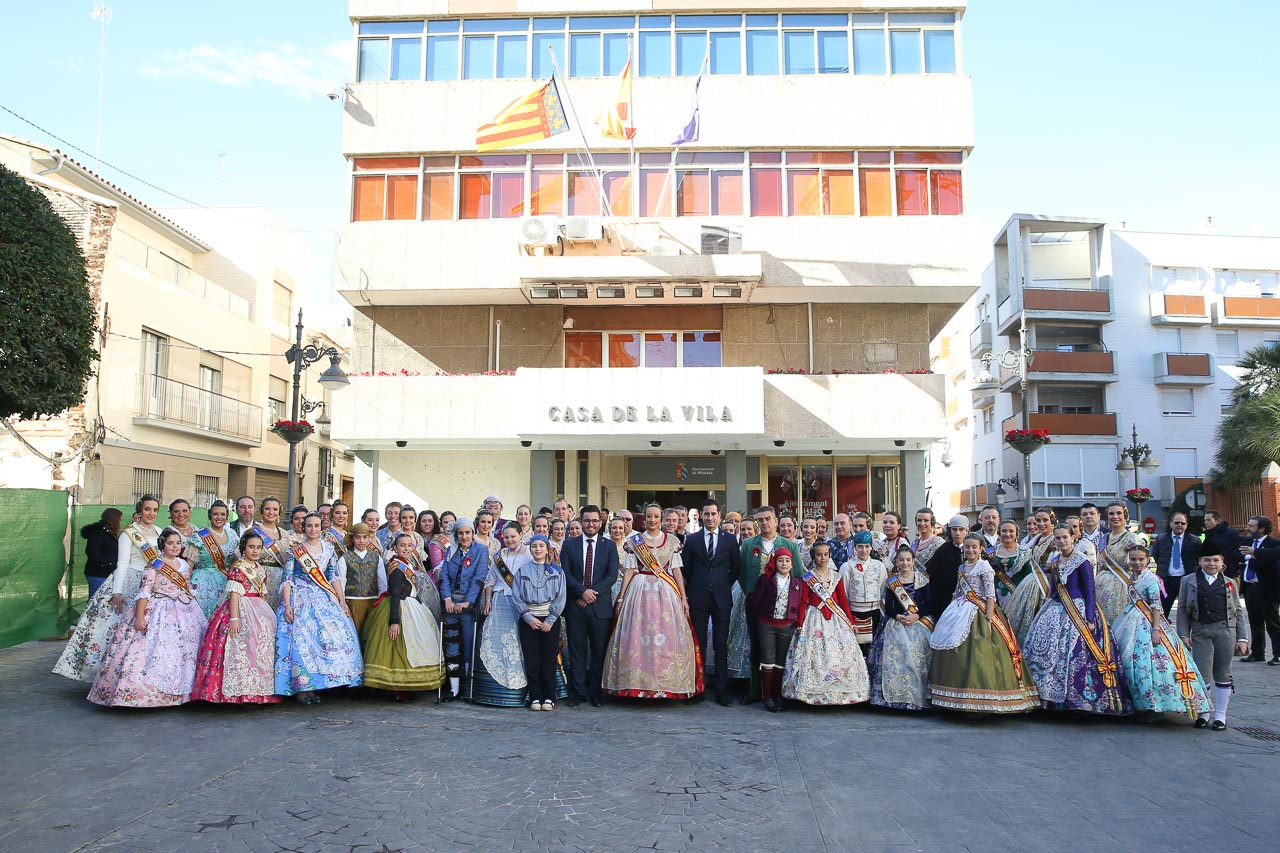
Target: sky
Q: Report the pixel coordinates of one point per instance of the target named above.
(1155, 114)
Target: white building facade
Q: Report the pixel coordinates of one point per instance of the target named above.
(740, 319)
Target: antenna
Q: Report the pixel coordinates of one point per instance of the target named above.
(102, 14)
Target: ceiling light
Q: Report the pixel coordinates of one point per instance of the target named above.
(611, 293)
(542, 293)
(688, 291)
(573, 293)
(650, 292)
(727, 292)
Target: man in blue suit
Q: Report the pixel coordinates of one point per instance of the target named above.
(590, 564)
(711, 565)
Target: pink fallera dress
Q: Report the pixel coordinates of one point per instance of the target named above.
(239, 669)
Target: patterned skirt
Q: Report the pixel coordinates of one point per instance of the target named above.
(899, 665)
(653, 653)
(1064, 669)
(238, 670)
(207, 585)
(319, 649)
(155, 669)
(83, 654)
(1149, 670)
(825, 665)
(979, 675)
(739, 637)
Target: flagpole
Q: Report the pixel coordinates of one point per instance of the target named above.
(671, 169)
(634, 170)
(605, 207)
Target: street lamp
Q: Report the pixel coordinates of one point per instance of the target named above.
(1019, 359)
(333, 378)
(1134, 457)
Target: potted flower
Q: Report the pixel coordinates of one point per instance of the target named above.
(1139, 496)
(293, 431)
(1027, 441)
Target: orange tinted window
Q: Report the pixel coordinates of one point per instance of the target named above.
(508, 195)
(875, 194)
(869, 158)
(726, 193)
(804, 193)
(583, 349)
(617, 188)
(766, 192)
(913, 192)
(584, 194)
(382, 164)
(547, 198)
(367, 198)
(437, 202)
(402, 197)
(693, 195)
(946, 193)
(816, 158)
(624, 350)
(475, 197)
(652, 182)
(837, 193)
(929, 158)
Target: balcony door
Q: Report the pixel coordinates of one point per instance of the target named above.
(208, 414)
(155, 367)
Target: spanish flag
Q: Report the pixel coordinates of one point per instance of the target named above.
(614, 120)
(535, 116)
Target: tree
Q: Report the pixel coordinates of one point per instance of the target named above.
(46, 310)
(1249, 436)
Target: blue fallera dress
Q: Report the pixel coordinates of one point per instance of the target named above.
(208, 583)
(1161, 676)
(320, 648)
(900, 654)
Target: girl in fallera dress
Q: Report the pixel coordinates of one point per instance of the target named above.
(825, 664)
(236, 664)
(1159, 669)
(137, 547)
(1011, 562)
(1070, 651)
(1034, 588)
(211, 550)
(316, 643)
(900, 653)
(152, 659)
(401, 638)
(977, 663)
(653, 653)
(498, 677)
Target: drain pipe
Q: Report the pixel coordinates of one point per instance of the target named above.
(810, 306)
(58, 160)
(497, 345)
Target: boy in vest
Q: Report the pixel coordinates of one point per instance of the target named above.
(362, 573)
(1211, 622)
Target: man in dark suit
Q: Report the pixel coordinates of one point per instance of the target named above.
(711, 564)
(1176, 553)
(590, 564)
(1261, 581)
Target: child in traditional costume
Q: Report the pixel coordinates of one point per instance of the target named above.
(778, 602)
(539, 593)
(362, 572)
(825, 665)
(900, 653)
(401, 638)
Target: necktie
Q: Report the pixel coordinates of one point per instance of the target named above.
(1249, 573)
(586, 571)
(711, 545)
(1176, 561)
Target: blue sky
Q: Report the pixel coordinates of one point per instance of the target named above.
(1152, 113)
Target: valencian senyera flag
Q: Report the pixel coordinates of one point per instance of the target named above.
(615, 121)
(535, 116)
(693, 127)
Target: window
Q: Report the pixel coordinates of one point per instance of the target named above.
(277, 393)
(1226, 399)
(155, 354)
(206, 491)
(1074, 472)
(390, 50)
(281, 304)
(1180, 462)
(148, 481)
(385, 188)
(1176, 401)
(642, 349)
(1228, 345)
(988, 420)
(443, 50)
(1169, 340)
(489, 193)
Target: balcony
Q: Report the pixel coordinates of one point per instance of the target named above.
(1073, 366)
(980, 339)
(168, 404)
(1176, 309)
(1103, 423)
(975, 498)
(1184, 368)
(1058, 303)
(1246, 311)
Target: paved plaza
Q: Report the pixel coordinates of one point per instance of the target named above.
(358, 775)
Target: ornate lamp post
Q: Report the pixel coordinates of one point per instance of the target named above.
(1137, 456)
(333, 378)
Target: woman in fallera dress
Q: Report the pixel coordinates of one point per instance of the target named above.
(977, 664)
(1034, 588)
(236, 664)
(316, 642)
(276, 542)
(825, 664)
(1161, 673)
(499, 678)
(926, 542)
(401, 639)
(653, 653)
(1011, 562)
(899, 656)
(1111, 583)
(211, 550)
(137, 547)
(1070, 652)
(152, 659)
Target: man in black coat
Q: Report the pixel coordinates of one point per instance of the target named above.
(943, 567)
(1176, 553)
(590, 564)
(1220, 538)
(1260, 579)
(711, 564)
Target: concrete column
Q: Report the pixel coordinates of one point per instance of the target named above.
(912, 480)
(367, 471)
(542, 478)
(735, 493)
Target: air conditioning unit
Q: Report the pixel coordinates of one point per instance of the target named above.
(582, 228)
(721, 241)
(539, 231)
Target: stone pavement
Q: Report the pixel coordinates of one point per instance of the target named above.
(360, 776)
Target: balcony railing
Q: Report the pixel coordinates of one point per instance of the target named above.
(1251, 307)
(163, 399)
(1059, 361)
(1066, 299)
(980, 339)
(1103, 423)
(1184, 368)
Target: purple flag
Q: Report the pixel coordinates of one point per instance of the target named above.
(693, 125)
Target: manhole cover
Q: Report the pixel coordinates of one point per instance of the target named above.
(1259, 732)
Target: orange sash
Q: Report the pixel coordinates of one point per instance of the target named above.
(406, 568)
(337, 541)
(312, 568)
(811, 581)
(1177, 653)
(215, 550)
(1101, 653)
(1002, 628)
(145, 548)
(172, 574)
(645, 554)
(908, 603)
(253, 573)
(271, 547)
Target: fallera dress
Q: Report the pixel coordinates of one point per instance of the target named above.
(977, 663)
(240, 669)
(1032, 591)
(1070, 651)
(1111, 578)
(320, 648)
(1010, 571)
(825, 664)
(1161, 676)
(209, 577)
(414, 661)
(155, 668)
(900, 654)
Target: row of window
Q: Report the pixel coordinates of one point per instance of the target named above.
(506, 48)
(700, 183)
(150, 481)
(642, 349)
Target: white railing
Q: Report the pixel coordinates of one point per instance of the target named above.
(178, 403)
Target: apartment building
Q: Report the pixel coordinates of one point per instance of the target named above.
(619, 322)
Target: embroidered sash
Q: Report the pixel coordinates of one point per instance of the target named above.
(1001, 626)
(145, 548)
(996, 563)
(172, 574)
(507, 577)
(645, 554)
(407, 569)
(811, 581)
(1177, 653)
(908, 603)
(313, 570)
(1101, 653)
(1115, 567)
(253, 572)
(270, 547)
(337, 540)
(215, 550)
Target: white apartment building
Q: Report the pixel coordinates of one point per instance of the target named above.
(192, 368)
(742, 319)
(1128, 329)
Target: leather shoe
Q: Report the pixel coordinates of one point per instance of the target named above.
(1274, 662)
(1202, 722)
(597, 702)
(1218, 726)
(1252, 659)
(574, 701)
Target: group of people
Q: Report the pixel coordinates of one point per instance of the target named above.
(577, 606)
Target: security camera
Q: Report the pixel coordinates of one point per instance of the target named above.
(334, 95)
(526, 443)
(779, 442)
(947, 459)
(402, 443)
(827, 452)
(655, 444)
(897, 442)
(715, 451)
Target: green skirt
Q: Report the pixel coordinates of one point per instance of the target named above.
(386, 664)
(979, 676)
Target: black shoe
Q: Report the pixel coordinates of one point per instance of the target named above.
(574, 700)
(1274, 662)
(1202, 722)
(1218, 726)
(723, 701)
(1252, 659)
(696, 700)
(597, 701)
